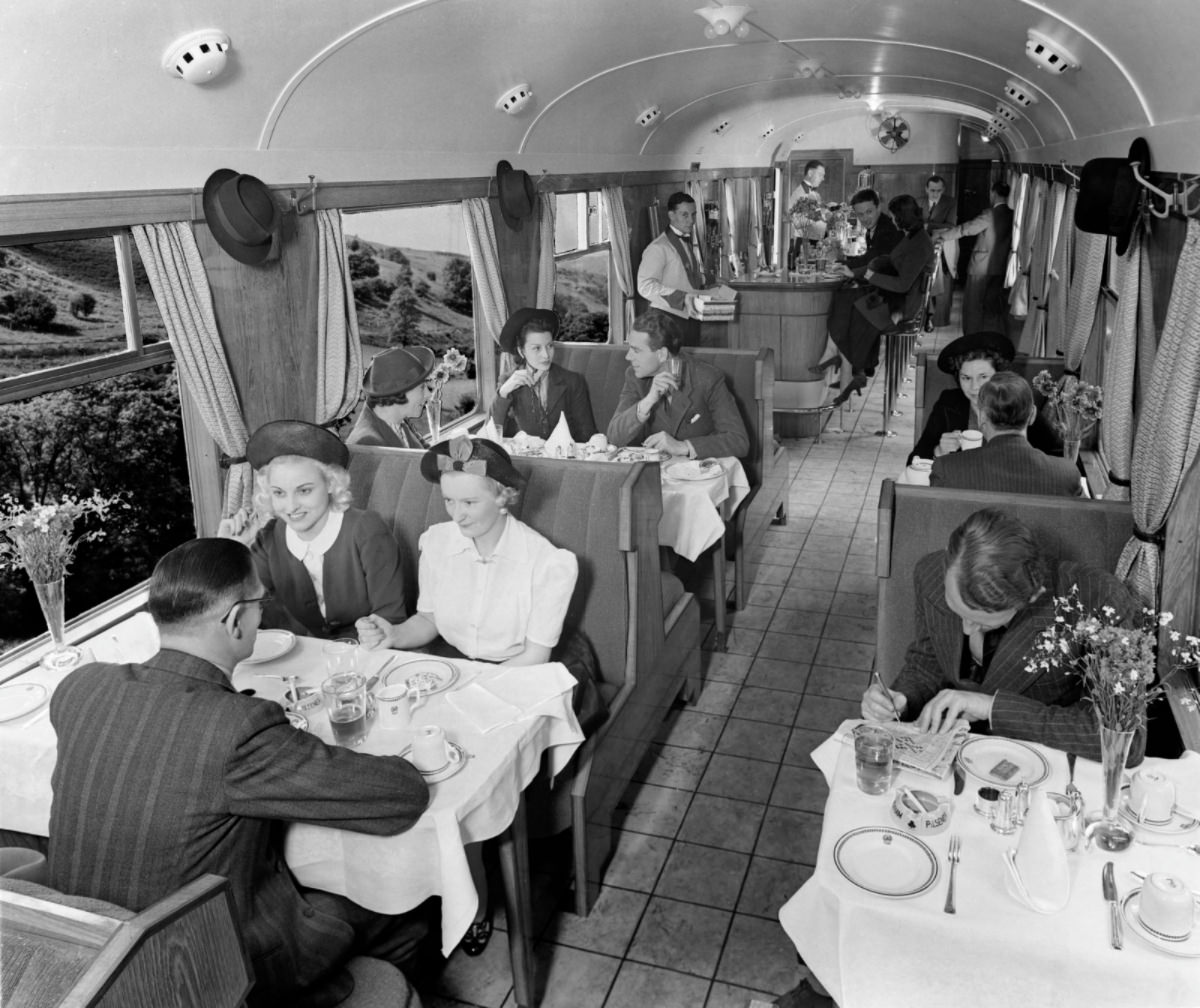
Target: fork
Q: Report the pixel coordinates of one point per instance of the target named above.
(952, 856)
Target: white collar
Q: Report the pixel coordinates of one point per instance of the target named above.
(506, 546)
(300, 548)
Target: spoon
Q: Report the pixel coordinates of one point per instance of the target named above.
(1072, 791)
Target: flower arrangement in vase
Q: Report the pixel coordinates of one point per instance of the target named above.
(1117, 665)
(812, 218)
(41, 539)
(452, 364)
(1076, 406)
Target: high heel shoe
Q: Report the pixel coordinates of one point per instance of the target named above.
(857, 384)
(825, 365)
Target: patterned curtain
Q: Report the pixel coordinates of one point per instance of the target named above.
(1031, 216)
(1168, 436)
(1059, 279)
(1133, 325)
(491, 303)
(547, 278)
(1041, 234)
(1020, 200)
(339, 349)
(176, 271)
(1084, 294)
(613, 200)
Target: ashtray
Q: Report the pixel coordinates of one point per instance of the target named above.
(921, 812)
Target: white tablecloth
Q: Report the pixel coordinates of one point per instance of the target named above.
(386, 874)
(694, 512)
(874, 952)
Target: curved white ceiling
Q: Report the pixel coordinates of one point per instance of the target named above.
(409, 89)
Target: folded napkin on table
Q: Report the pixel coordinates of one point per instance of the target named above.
(489, 431)
(482, 707)
(1041, 859)
(134, 640)
(560, 443)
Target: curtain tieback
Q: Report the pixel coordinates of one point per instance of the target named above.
(1116, 480)
(228, 461)
(1156, 538)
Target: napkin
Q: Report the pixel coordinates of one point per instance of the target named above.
(134, 640)
(560, 443)
(489, 431)
(482, 707)
(1041, 858)
(529, 687)
(917, 476)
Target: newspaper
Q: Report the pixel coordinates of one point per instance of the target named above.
(930, 754)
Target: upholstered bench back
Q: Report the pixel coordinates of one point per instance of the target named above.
(916, 520)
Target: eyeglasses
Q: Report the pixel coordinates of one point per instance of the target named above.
(261, 600)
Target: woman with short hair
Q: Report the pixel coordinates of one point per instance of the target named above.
(394, 386)
(537, 392)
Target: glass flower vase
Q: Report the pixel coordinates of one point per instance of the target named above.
(1110, 832)
(51, 597)
(1071, 449)
(433, 418)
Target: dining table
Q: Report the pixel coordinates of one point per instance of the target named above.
(875, 939)
(506, 722)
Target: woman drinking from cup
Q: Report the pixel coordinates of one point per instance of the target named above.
(492, 589)
(538, 392)
(325, 563)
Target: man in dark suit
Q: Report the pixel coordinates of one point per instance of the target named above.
(941, 211)
(166, 773)
(673, 403)
(985, 306)
(981, 605)
(882, 233)
(1006, 462)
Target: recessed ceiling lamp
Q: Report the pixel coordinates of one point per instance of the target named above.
(721, 127)
(767, 132)
(725, 19)
(516, 99)
(198, 57)
(1006, 112)
(845, 92)
(1049, 55)
(1015, 91)
(807, 67)
(649, 115)
(997, 125)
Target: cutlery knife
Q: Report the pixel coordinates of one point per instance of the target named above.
(1114, 911)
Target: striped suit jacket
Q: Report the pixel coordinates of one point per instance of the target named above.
(1007, 463)
(1045, 707)
(165, 773)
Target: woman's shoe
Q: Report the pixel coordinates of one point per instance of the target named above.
(825, 365)
(476, 939)
(857, 384)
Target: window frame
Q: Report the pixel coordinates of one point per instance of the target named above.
(616, 297)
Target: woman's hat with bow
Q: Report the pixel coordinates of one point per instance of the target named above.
(476, 456)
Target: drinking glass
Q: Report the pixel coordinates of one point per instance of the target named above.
(339, 656)
(873, 751)
(346, 702)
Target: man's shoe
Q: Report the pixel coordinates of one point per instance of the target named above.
(803, 996)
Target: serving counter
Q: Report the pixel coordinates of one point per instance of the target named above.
(789, 317)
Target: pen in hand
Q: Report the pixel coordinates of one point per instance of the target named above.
(886, 693)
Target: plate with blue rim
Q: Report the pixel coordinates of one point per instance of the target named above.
(1003, 762)
(886, 862)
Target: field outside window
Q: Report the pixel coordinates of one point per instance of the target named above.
(584, 266)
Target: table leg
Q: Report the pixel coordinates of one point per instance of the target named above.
(514, 867)
(720, 595)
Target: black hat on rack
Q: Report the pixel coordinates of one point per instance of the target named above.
(1109, 195)
(241, 214)
(518, 195)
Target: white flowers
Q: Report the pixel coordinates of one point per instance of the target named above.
(39, 538)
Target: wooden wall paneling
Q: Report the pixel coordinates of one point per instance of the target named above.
(518, 252)
(267, 318)
(1181, 595)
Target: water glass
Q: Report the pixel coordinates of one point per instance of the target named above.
(339, 656)
(345, 696)
(874, 749)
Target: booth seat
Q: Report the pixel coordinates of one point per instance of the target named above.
(644, 627)
(917, 520)
(750, 375)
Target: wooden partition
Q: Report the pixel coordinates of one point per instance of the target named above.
(1181, 595)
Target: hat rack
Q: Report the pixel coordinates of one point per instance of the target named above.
(1067, 171)
(1177, 200)
(298, 207)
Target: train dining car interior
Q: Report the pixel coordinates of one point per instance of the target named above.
(840, 665)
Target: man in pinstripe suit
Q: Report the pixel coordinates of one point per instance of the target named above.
(981, 604)
(166, 773)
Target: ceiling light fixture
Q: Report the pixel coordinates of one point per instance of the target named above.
(1049, 55)
(767, 132)
(725, 19)
(198, 57)
(721, 127)
(649, 115)
(1016, 91)
(845, 92)
(515, 99)
(1006, 112)
(807, 67)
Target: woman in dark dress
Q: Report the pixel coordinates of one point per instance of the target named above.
(538, 391)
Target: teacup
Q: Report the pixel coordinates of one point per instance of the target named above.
(1151, 796)
(1166, 907)
(393, 706)
(969, 439)
(431, 750)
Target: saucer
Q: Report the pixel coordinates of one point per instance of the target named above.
(447, 769)
(426, 675)
(691, 470)
(1178, 823)
(269, 645)
(1185, 948)
(19, 699)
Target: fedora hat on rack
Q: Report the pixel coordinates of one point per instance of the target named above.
(517, 193)
(1109, 195)
(242, 215)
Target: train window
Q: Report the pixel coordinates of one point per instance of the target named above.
(88, 401)
(584, 267)
(411, 270)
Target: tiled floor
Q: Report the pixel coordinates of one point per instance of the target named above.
(724, 821)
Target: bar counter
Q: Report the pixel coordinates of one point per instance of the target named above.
(787, 315)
